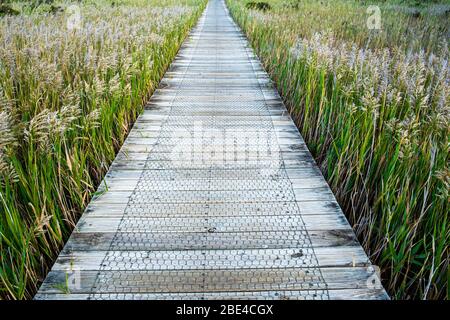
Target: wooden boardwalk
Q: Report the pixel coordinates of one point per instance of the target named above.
(213, 195)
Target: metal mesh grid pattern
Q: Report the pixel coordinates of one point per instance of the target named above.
(217, 209)
(213, 240)
(213, 214)
(313, 294)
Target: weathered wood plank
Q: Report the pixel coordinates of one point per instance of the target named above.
(139, 156)
(342, 256)
(212, 280)
(98, 241)
(112, 184)
(144, 222)
(182, 196)
(340, 294)
(295, 172)
(219, 209)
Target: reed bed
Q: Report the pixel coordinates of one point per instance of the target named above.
(67, 99)
(373, 107)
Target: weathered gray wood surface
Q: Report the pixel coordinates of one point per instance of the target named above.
(213, 195)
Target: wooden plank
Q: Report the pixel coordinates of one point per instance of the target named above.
(139, 156)
(112, 184)
(218, 209)
(342, 256)
(295, 172)
(149, 147)
(340, 294)
(168, 196)
(205, 161)
(214, 280)
(98, 241)
(174, 223)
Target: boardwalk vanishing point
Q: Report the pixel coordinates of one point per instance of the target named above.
(214, 195)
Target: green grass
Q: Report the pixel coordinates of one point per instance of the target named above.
(373, 107)
(67, 100)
